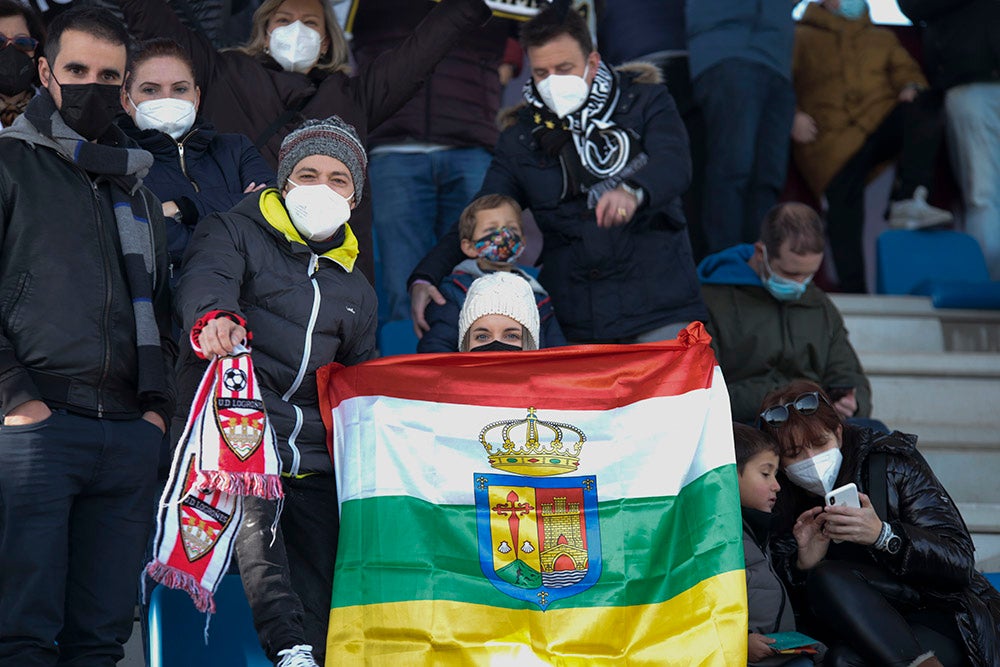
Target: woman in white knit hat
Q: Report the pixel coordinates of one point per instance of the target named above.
(499, 314)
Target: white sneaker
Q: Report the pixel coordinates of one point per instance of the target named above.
(299, 655)
(916, 213)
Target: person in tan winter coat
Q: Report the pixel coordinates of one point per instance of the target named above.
(861, 102)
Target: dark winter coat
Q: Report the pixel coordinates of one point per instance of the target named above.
(443, 334)
(244, 94)
(937, 557)
(68, 325)
(961, 39)
(204, 172)
(768, 607)
(304, 311)
(605, 283)
(763, 343)
(457, 105)
(634, 29)
(760, 32)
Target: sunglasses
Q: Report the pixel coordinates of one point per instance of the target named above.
(804, 404)
(21, 42)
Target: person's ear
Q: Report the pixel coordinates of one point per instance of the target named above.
(468, 247)
(44, 71)
(593, 62)
(197, 99)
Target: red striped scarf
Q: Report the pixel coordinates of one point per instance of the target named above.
(228, 450)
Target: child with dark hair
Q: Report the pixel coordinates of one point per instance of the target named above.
(768, 606)
(491, 237)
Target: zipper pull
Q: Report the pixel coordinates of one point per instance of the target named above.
(313, 264)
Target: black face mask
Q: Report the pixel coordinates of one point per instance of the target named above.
(496, 346)
(90, 108)
(17, 71)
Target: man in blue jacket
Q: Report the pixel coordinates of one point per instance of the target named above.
(601, 160)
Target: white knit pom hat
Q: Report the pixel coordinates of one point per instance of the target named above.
(500, 293)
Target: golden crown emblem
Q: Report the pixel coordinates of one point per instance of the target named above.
(532, 457)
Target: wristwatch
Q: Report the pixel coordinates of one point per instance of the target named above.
(635, 192)
(888, 541)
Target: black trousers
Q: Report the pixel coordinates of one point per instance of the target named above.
(289, 579)
(873, 627)
(913, 132)
(76, 507)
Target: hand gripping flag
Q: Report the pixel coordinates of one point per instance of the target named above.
(228, 450)
(570, 506)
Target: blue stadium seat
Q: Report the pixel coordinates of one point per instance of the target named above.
(993, 578)
(946, 265)
(397, 337)
(176, 629)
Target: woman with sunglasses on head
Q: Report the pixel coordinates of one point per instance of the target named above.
(21, 39)
(892, 582)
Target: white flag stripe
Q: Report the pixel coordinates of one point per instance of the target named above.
(641, 450)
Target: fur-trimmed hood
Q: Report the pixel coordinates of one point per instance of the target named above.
(637, 72)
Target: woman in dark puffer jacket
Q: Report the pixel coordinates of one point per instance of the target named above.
(893, 582)
(196, 170)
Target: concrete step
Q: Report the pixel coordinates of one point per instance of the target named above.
(912, 324)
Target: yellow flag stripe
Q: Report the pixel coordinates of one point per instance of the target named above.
(704, 625)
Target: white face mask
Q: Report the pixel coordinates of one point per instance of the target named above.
(316, 210)
(817, 474)
(168, 115)
(564, 93)
(295, 46)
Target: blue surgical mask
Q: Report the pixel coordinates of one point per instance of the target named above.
(852, 9)
(781, 288)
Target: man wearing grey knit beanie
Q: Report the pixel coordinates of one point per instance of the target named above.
(281, 264)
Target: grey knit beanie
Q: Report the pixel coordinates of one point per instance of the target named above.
(500, 293)
(332, 137)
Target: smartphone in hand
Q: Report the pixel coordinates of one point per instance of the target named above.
(844, 496)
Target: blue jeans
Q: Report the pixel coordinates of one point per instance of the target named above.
(748, 110)
(416, 198)
(973, 119)
(76, 506)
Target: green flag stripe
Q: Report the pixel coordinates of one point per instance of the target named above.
(429, 552)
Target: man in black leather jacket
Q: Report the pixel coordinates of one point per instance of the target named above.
(85, 357)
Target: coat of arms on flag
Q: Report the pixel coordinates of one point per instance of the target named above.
(571, 506)
(539, 537)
